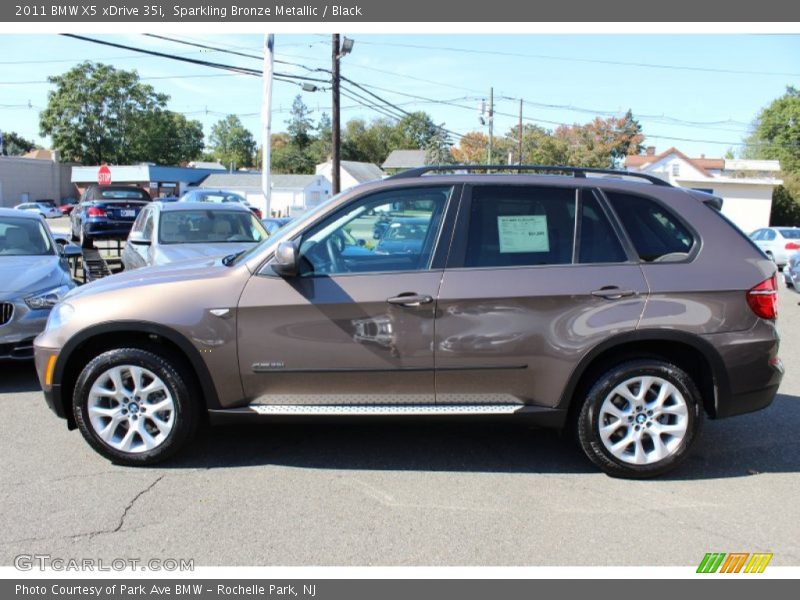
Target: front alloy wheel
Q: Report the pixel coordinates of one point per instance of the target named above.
(134, 407)
(131, 409)
(640, 419)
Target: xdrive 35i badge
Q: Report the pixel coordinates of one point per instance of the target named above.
(268, 366)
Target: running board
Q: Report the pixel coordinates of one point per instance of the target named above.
(545, 416)
(385, 409)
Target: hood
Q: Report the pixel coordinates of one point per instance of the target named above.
(27, 274)
(173, 253)
(201, 268)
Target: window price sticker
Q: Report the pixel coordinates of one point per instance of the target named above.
(523, 233)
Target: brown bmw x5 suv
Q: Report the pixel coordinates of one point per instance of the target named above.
(613, 305)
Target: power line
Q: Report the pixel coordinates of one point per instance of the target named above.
(582, 60)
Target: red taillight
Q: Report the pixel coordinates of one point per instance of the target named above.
(257, 213)
(793, 246)
(93, 211)
(763, 298)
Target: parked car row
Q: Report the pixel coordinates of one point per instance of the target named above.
(34, 276)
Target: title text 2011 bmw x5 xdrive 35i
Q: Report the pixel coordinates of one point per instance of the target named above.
(623, 310)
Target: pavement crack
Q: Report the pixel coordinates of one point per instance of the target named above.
(133, 501)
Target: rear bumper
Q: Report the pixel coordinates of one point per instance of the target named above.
(107, 229)
(752, 369)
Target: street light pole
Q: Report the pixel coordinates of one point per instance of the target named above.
(335, 125)
(266, 123)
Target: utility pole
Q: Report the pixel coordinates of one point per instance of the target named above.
(491, 124)
(520, 132)
(335, 125)
(266, 124)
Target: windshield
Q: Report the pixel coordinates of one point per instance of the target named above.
(130, 194)
(219, 197)
(790, 234)
(24, 237)
(209, 226)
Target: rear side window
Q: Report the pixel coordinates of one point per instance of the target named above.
(520, 226)
(657, 235)
(598, 241)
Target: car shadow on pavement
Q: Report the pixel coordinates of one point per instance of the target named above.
(399, 444)
(18, 376)
(763, 442)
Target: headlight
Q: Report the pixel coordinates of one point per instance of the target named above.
(59, 316)
(47, 299)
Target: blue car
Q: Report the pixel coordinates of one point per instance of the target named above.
(106, 212)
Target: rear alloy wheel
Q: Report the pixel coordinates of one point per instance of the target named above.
(134, 407)
(640, 419)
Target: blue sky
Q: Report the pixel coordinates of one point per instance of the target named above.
(696, 92)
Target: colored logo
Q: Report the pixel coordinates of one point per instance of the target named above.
(734, 562)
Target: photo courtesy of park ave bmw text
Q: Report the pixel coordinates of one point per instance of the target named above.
(350, 300)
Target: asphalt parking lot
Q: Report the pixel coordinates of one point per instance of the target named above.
(410, 493)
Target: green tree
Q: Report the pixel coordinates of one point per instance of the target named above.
(95, 113)
(413, 131)
(15, 144)
(300, 127)
(168, 138)
(437, 151)
(368, 142)
(776, 136)
(232, 143)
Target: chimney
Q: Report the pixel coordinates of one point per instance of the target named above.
(650, 151)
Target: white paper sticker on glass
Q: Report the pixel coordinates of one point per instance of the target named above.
(523, 233)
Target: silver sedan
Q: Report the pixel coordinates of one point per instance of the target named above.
(166, 233)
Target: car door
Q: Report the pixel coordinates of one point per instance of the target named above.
(355, 326)
(139, 255)
(537, 276)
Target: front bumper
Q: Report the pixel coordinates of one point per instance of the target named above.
(16, 336)
(44, 359)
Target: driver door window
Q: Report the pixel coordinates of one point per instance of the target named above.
(385, 232)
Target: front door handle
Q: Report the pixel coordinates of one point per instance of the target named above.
(410, 299)
(612, 292)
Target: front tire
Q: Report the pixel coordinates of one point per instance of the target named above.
(134, 406)
(640, 419)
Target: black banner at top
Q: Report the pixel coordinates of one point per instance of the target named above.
(443, 11)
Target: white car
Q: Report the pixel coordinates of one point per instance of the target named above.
(47, 211)
(791, 272)
(778, 243)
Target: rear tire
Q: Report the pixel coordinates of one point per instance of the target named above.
(640, 419)
(135, 407)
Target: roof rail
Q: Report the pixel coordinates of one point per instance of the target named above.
(574, 171)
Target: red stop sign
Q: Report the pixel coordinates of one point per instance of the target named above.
(104, 175)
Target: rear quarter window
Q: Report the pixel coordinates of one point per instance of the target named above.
(657, 235)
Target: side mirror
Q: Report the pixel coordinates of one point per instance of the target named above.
(286, 261)
(70, 251)
(137, 237)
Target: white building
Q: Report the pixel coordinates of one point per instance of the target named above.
(744, 185)
(351, 173)
(290, 194)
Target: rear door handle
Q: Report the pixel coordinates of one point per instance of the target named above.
(410, 299)
(612, 292)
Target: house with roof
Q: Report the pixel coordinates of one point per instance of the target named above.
(744, 185)
(402, 160)
(351, 173)
(289, 194)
